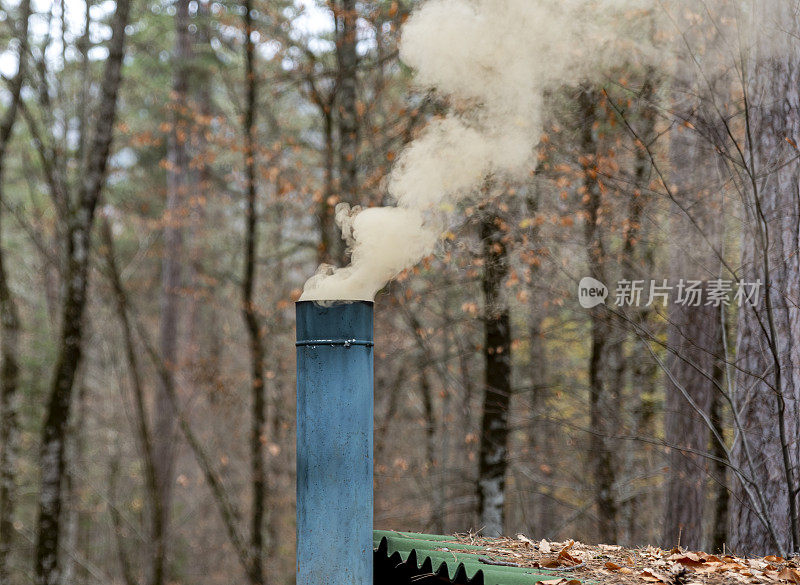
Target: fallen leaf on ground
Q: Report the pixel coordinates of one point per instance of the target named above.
(652, 576)
(687, 559)
(525, 539)
(564, 556)
(790, 575)
(649, 565)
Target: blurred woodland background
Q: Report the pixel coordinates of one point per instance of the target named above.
(168, 175)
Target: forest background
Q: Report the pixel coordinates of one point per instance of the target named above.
(169, 172)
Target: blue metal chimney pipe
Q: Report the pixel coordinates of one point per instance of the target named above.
(334, 442)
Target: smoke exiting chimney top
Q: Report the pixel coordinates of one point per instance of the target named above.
(494, 60)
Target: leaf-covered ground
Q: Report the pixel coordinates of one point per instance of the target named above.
(615, 565)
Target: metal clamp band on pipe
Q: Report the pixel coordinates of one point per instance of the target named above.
(334, 443)
(342, 342)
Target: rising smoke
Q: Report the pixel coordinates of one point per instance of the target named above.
(494, 60)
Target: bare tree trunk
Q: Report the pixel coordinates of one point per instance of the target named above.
(9, 426)
(330, 248)
(767, 397)
(493, 458)
(347, 99)
(71, 488)
(55, 427)
(434, 461)
(144, 435)
(636, 263)
(644, 378)
(200, 371)
(76, 277)
(344, 97)
(10, 328)
(695, 338)
(329, 242)
(600, 398)
(171, 266)
(540, 431)
(438, 503)
(255, 327)
(719, 471)
(128, 573)
(695, 332)
(280, 468)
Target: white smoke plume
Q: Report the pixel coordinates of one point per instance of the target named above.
(494, 59)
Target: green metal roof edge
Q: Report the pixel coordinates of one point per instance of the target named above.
(431, 545)
(413, 535)
(409, 540)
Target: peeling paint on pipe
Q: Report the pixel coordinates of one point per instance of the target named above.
(334, 442)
